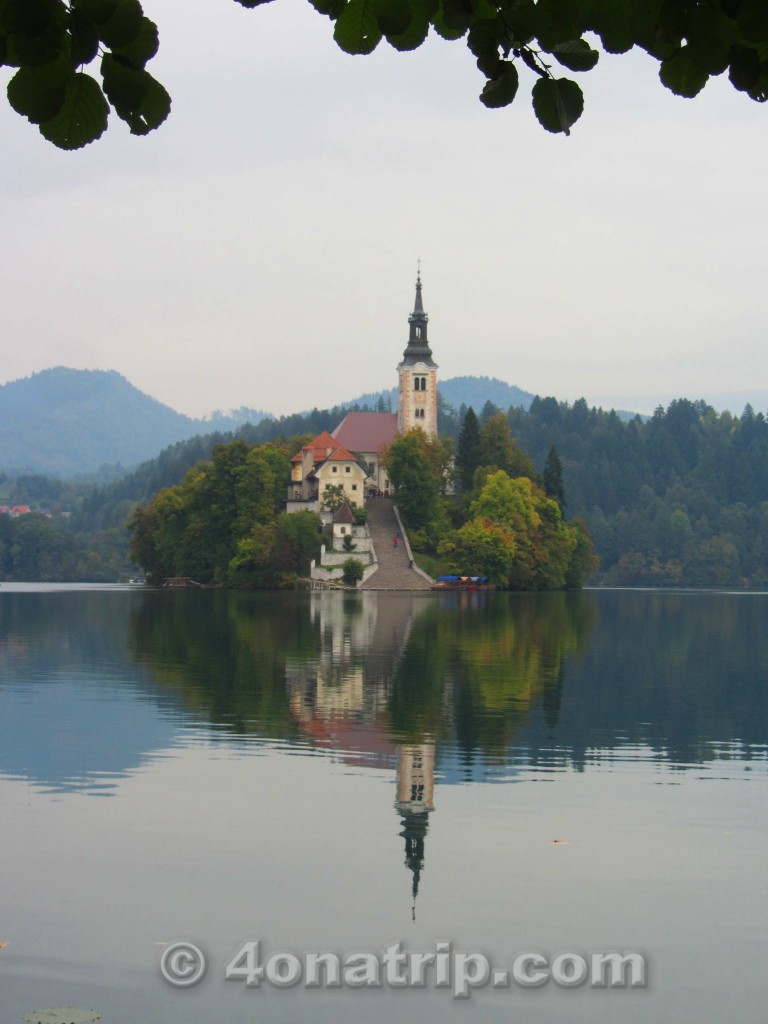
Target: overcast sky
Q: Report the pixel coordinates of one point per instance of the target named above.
(260, 248)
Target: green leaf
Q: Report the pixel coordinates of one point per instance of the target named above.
(753, 20)
(97, 11)
(143, 47)
(331, 8)
(501, 90)
(682, 75)
(36, 96)
(557, 21)
(30, 17)
(417, 30)
(614, 31)
(124, 26)
(24, 48)
(83, 115)
(710, 37)
(84, 43)
(252, 3)
(123, 86)
(745, 68)
(558, 103)
(484, 40)
(154, 109)
(576, 55)
(759, 91)
(137, 97)
(522, 21)
(485, 36)
(446, 31)
(393, 16)
(453, 18)
(357, 30)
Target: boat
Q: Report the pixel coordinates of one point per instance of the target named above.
(463, 583)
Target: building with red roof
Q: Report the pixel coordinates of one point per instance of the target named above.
(362, 438)
(324, 463)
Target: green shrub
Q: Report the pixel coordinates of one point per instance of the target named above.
(352, 570)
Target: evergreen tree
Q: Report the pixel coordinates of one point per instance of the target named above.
(488, 410)
(501, 451)
(470, 448)
(553, 478)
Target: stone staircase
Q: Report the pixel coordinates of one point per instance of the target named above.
(394, 572)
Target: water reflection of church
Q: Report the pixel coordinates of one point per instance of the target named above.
(339, 698)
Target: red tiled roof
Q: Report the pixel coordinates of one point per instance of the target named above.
(325, 448)
(367, 431)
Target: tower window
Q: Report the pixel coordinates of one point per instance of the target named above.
(419, 383)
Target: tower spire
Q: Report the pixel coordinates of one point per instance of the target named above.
(418, 350)
(417, 306)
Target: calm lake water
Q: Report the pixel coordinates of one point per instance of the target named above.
(507, 773)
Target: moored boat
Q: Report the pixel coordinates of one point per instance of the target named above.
(462, 583)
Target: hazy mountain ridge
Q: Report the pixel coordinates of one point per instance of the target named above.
(64, 422)
(458, 391)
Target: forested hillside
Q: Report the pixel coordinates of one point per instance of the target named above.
(63, 422)
(681, 499)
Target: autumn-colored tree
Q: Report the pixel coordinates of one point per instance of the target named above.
(499, 450)
(517, 537)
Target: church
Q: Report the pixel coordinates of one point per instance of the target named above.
(351, 454)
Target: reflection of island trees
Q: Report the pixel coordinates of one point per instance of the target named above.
(364, 672)
(476, 665)
(563, 677)
(225, 653)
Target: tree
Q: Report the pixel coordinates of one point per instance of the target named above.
(50, 41)
(416, 477)
(469, 449)
(552, 478)
(517, 537)
(500, 450)
(333, 497)
(352, 571)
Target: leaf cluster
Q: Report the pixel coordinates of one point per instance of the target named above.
(692, 39)
(50, 42)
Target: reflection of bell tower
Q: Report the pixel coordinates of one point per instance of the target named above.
(417, 376)
(415, 799)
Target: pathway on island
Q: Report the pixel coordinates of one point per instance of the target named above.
(394, 572)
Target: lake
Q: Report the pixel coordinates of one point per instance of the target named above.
(473, 807)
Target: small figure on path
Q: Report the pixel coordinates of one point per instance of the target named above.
(394, 542)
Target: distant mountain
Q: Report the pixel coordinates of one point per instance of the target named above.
(476, 391)
(64, 422)
(458, 391)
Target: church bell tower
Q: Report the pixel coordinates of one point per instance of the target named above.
(417, 375)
